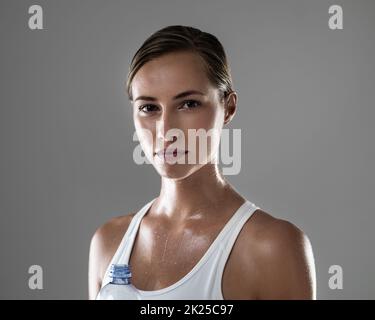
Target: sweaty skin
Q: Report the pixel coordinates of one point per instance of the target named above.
(271, 258)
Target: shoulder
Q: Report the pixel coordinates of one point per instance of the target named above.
(272, 235)
(111, 231)
(103, 246)
(108, 236)
(283, 258)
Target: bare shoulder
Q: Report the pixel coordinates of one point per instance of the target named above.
(272, 233)
(108, 236)
(283, 258)
(103, 246)
(110, 233)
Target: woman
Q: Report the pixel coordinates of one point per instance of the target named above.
(196, 240)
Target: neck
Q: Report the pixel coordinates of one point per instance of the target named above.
(194, 196)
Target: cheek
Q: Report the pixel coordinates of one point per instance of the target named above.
(211, 118)
(145, 132)
(143, 123)
(210, 121)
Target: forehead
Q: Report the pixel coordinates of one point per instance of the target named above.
(171, 73)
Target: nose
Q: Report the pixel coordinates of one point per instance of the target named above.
(165, 128)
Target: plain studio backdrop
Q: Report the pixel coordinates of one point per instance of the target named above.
(305, 108)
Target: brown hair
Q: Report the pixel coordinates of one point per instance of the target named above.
(184, 38)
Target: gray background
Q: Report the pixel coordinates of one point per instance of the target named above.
(306, 107)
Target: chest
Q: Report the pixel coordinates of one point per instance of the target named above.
(160, 258)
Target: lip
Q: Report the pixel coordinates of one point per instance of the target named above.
(168, 153)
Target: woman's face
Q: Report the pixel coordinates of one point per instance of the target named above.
(165, 108)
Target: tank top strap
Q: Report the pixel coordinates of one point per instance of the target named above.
(123, 249)
(231, 236)
(133, 229)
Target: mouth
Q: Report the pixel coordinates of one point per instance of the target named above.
(163, 154)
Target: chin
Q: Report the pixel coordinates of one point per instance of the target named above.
(177, 172)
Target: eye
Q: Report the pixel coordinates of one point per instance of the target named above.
(191, 104)
(149, 107)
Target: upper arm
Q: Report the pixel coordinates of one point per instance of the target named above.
(286, 263)
(103, 245)
(95, 257)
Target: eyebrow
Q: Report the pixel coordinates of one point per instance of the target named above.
(180, 95)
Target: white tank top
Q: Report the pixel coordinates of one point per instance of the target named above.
(203, 282)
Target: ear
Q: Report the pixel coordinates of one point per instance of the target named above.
(230, 107)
